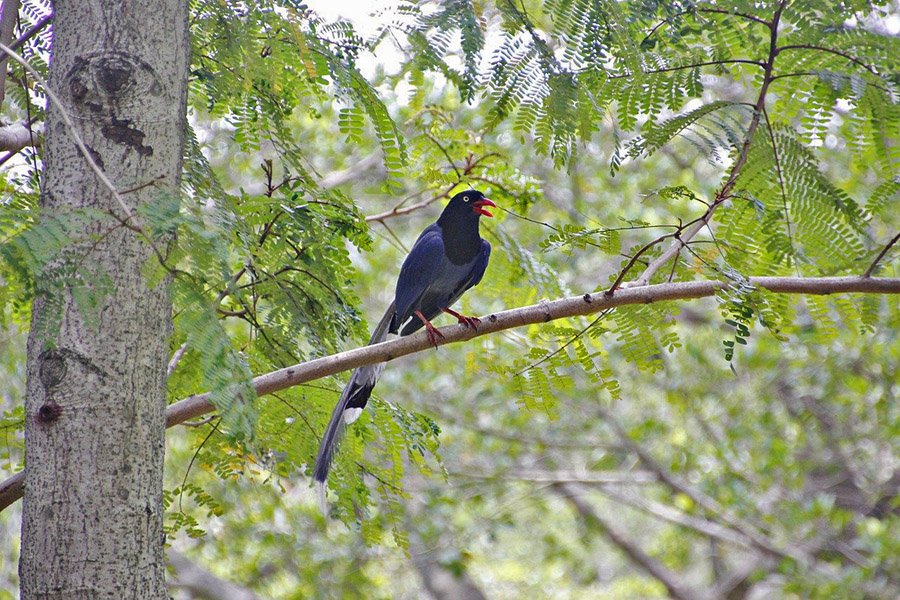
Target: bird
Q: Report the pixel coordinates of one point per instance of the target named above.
(448, 258)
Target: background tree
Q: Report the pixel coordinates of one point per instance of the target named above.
(741, 445)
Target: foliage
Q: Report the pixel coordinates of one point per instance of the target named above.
(604, 129)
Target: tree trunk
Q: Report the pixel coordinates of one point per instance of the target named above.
(92, 513)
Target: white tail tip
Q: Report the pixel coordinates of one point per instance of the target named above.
(321, 491)
(351, 414)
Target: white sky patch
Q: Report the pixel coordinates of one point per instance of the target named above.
(362, 13)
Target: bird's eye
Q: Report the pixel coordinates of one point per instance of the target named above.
(465, 198)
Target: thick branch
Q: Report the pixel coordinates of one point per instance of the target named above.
(16, 136)
(8, 13)
(199, 404)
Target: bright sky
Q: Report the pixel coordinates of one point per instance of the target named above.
(359, 12)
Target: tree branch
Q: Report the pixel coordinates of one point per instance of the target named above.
(402, 210)
(708, 503)
(672, 581)
(202, 583)
(8, 14)
(16, 136)
(566, 476)
(703, 526)
(849, 57)
(543, 312)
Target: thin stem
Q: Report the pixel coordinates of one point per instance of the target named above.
(868, 272)
(735, 13)
(781, 186)
(744, 61)
(849, 57)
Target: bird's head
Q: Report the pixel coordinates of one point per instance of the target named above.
(467, 203)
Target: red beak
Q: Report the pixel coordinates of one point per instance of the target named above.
(478, 206)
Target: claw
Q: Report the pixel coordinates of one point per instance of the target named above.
(431, 330)
(472, 322)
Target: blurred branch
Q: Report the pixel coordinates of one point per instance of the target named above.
(202, 583)
(664, 512)
(370, 164)
(674, 584)
(17, 136)
(561, 476)
(709, 504)
(543, 312)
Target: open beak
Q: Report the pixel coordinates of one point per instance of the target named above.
(478, 206)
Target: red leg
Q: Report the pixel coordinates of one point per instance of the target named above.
(431, 330)
(472, 322)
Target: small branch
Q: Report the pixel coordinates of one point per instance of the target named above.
(735, 13)
(705, 63)
(176, 358)
(725, 192)
(868, 272)
(849, 57)
(197, 405)
(404, 210)
(31, 32)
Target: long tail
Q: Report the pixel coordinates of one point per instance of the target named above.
(350, 405)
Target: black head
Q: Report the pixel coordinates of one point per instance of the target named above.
(466, 206)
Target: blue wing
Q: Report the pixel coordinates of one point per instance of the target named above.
(418, 273)
(449, 284)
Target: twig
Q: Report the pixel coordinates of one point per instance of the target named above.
(868, 272)
(725, 192)
(404, 210)
(176, 358)
(849, 57)
(31, 32)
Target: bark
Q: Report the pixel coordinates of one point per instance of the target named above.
(9, 10)
(95, 401)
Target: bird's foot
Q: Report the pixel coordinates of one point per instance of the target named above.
(471, 322)
(433, 334)
(431, 330)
